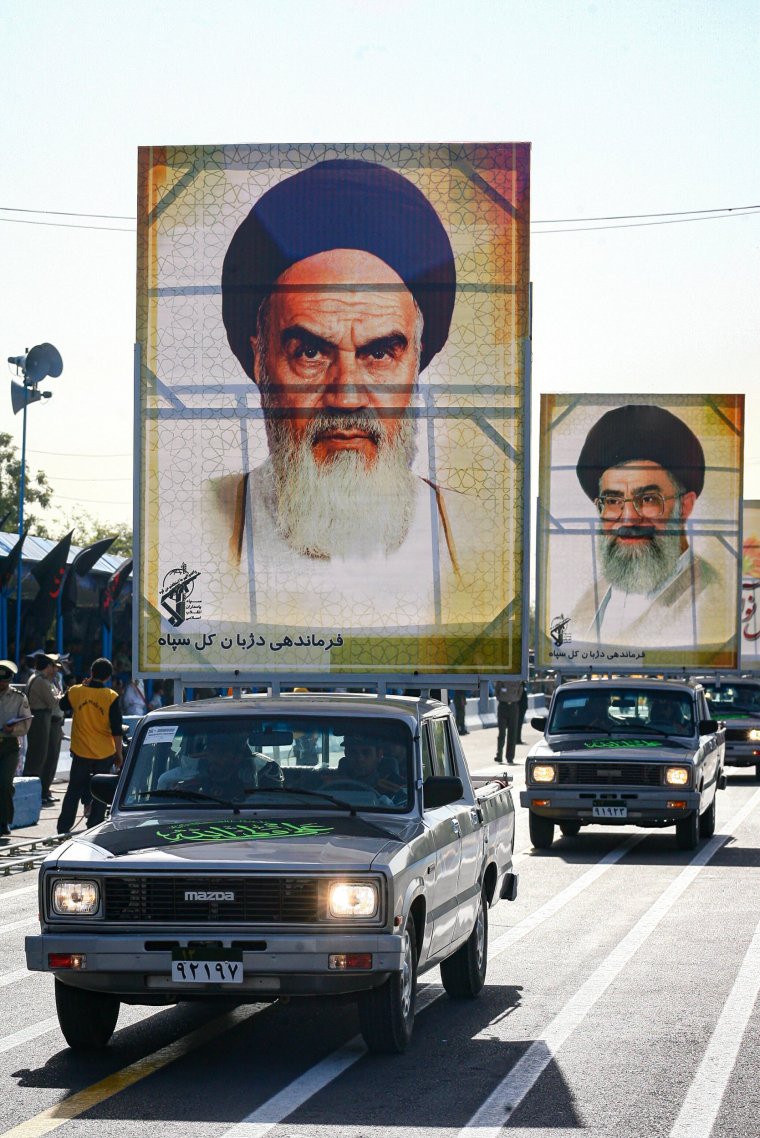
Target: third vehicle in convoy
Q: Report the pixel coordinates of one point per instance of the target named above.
(626, 752)
(737, 704)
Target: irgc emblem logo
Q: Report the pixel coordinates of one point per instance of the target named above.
(176, 588)
(559, 631)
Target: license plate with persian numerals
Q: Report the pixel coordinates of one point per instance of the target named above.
(609, 811)
(205, 965)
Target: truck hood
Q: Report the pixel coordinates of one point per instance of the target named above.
(271, 842)
(738, 718)
(590, 750)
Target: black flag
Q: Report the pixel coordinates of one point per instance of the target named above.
(80, 567)
(9, 564)
(49, 574)
(110, 595)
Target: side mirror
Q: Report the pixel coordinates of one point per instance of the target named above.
(539, 722)
(103, 787)
(441, 790)
(708, 726)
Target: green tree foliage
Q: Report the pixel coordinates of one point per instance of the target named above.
(37, 491)
(88, 529)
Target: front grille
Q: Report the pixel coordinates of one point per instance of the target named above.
(616, 774)
(258, 900)
(737, 734)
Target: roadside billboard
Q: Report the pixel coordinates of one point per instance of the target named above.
(331, 409)
(750, 600)
(638, 531)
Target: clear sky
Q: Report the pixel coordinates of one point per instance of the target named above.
(633, 107)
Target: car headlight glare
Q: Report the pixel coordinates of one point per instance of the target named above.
(544, 772)
(677, 776)
(754, 735)
(75, 898)
(353, 899)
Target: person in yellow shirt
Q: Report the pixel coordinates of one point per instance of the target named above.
(95, 741)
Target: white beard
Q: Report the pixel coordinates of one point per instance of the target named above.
(343, 507)
(640, 569)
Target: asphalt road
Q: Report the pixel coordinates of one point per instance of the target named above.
(621, 1001)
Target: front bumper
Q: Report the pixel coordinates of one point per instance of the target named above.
(648, 808)
(742, 754)
(137, 966)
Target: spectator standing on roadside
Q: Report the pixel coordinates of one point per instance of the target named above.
(43, 742)
(133, 701)
(460, 707)
(508, 694)
(157, 698)
(95, 741)
(521, 712)
(15, 718)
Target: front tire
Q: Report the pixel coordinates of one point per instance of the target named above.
(571, 828)
(386, 1014)
(707, 820)
(757, 772)
(464, 972)
(687, 831)
(541, 831)
(87, 1019)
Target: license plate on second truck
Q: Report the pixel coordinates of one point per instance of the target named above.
(609, 811)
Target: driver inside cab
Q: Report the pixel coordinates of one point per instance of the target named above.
(363, 761)
(228, 769)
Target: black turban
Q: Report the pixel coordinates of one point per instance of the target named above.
(340, 204)
(644, 433)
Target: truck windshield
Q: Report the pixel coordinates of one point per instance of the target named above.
(727, 698)
(613, 710)
(204, 763)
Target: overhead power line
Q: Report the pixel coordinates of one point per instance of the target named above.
(69, 454)
(638, 224)
(67, 213)
(580, 224)
(66, 225)
(535, 220)
(638, 216)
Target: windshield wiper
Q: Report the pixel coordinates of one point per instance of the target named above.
(577, 728)
(194, 795)
(325, 797)
(300, 790)
(660, 731)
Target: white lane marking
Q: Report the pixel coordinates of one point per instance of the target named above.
(11, 928)
(488, 1121)
(554, 904)
(702, 1103)
(13, 977)
(17, 892)
(260, 1121)
(295, 1094)
(27, 1034)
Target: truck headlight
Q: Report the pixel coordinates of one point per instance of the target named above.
(75, 898)
(677, 776)
(353, 899)
(754, 735)
(544, 772)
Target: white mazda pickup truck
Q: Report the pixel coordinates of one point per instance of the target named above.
(625, 752)
(270, 846)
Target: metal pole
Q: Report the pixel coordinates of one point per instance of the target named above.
(21, 488)
(4, 624)
(59, 621)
